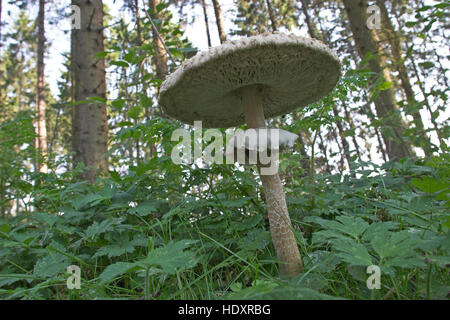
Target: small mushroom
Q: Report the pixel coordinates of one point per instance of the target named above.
(246, 81)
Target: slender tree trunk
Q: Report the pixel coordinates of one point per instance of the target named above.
(352, 127)
(160, 58)
(1, 26)
(344, 141)
(273, 20)
(309, 24)
(420, 83)
(40, 94)
(367, 43)
(89, 120)
(320, 35)
(205, 14)
(323, 149)
(219, 22)
(393, 39)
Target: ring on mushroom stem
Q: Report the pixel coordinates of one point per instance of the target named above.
(246, 81)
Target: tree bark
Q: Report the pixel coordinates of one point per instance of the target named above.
(219, 22)
(393, 39)
(89, 120)
(273, 20)
(41, 127)
(345, 144)
(366, 42)
(1, 25)
(205, 14)
(160, 58)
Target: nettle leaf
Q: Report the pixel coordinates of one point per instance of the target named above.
(324, 236)
(53, 263)
(114, 270)
(121, 246)
(248, 223)
(352, 226)
(99, 228)
(353, 253)
(49, 219)
(88, 200)
(145, 208)
(397, 249)
(379, 229)
(322, 261)
(172, 257)
(255, 239)
(238, 203)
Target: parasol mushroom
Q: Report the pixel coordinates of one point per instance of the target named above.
(246, 81)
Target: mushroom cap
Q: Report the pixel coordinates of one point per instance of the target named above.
(292, 72)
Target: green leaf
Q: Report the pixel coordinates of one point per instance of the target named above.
(5, 228)
(122, 246)
(101, 55)
(114, 270)
(120, 63)
(384, 85)
(118, 103)
(99, 228)
(172, 257)
(353, 253)
(426, 65)
(257, 239)
(145, 208)
(134, 112)
(49, 219)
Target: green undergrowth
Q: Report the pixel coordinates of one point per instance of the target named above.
(203, 234)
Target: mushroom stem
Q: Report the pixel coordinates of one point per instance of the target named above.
(289, 259)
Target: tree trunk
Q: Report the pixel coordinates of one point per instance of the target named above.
(309, 24)
(273, 20)
(205, 14)
(366, 42)
(392, 38)
(345, 144)
(89, 120)
(1, 26)
(40, 94)
(218, 14)
(160, 58)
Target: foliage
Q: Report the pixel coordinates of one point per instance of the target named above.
(133, 237)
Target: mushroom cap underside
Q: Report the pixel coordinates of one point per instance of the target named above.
(291, 72)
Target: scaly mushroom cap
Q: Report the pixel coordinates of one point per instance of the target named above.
(293, 72)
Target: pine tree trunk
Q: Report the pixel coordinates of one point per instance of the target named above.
(40, 94)
(366, 42)
(205, 14)
(218, 14)
(392, 37)
(345, 144)
(89, 120)
(1, 25)
(273, 20)
(311, 29)
(160, 58)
